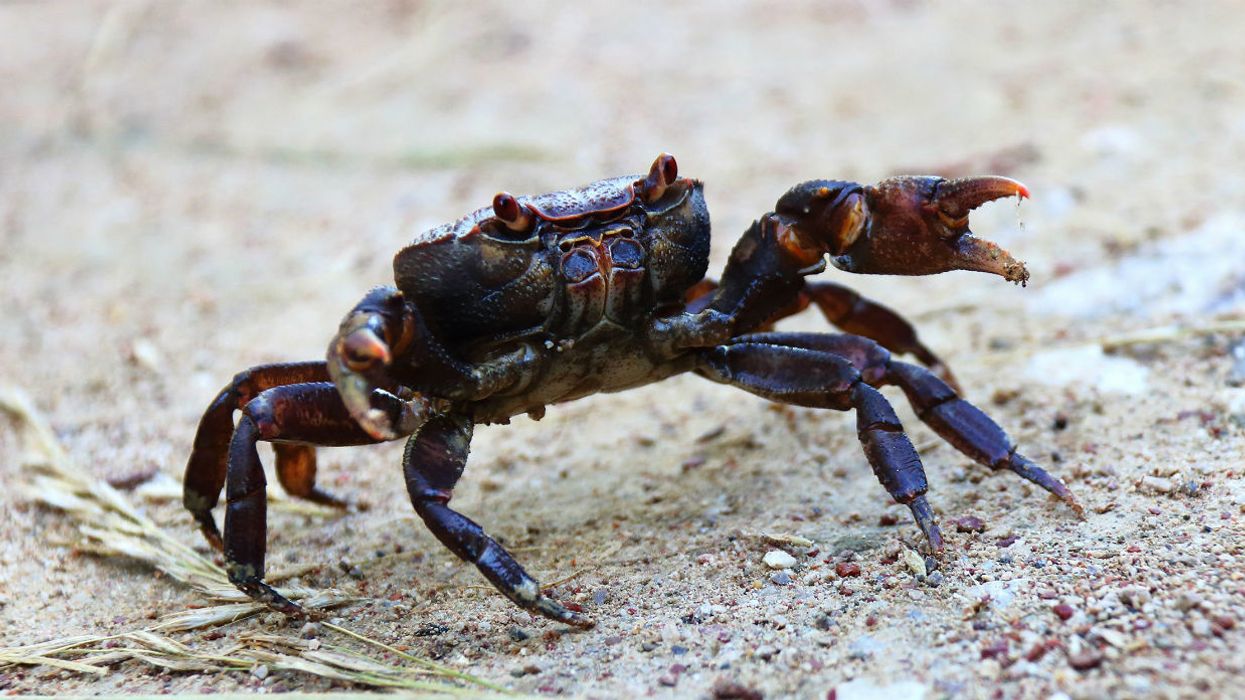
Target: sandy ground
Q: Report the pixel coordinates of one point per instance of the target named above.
(188, 190)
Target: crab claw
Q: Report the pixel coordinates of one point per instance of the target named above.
(356, 361)
(359, 359)
(918, 225)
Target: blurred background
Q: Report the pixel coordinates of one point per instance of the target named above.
(188, 189)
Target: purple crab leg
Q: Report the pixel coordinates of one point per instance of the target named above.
(433, 462)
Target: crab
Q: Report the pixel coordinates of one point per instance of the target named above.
(542, 300)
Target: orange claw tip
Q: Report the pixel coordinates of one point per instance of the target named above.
(363, 347)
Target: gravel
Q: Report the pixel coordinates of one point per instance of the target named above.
(178, 207)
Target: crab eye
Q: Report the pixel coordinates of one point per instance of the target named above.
(661, 175)
(511, 213)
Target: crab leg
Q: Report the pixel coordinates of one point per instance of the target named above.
(303, 414)
(205, 470)
(846, 309)
(433, 462)
(296, 470)
(765, 366)
(957, 421)
(968, 429)
(855, 314)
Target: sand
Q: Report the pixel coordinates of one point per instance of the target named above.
(187, 190)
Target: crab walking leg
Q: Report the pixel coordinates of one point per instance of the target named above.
(205, 470)
(848, 310)
(304, 414)
(957, 421)
(818, 379)
(296, 470)
(969, 429)
(433, 462)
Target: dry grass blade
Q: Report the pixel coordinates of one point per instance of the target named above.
(110, 525)
(1168, 334)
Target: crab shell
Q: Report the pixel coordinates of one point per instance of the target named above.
(477, 278)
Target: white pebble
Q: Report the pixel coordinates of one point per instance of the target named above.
(915, 562)
(778, 559)
(1157, 483)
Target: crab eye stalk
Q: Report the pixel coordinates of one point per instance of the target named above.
(661, 175)
(512, 214)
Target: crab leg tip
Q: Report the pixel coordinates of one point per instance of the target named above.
(1026, 469)
(924, 516)
(554, 610)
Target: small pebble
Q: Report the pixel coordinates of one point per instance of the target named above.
(1135, 596)
(1065, 612)
(260, 671)
(517, 634)
(970, 523)
(847, 568)
(600, 596)
(778, 559)
(781, 578)
(648, 646)
(1187, 600)
(935, 579)
(914, 561)
(730, 690)
(1085, 659)
(678, 650)
(1157, 484)
(996, 649)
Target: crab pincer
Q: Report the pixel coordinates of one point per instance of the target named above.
(906, 225)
